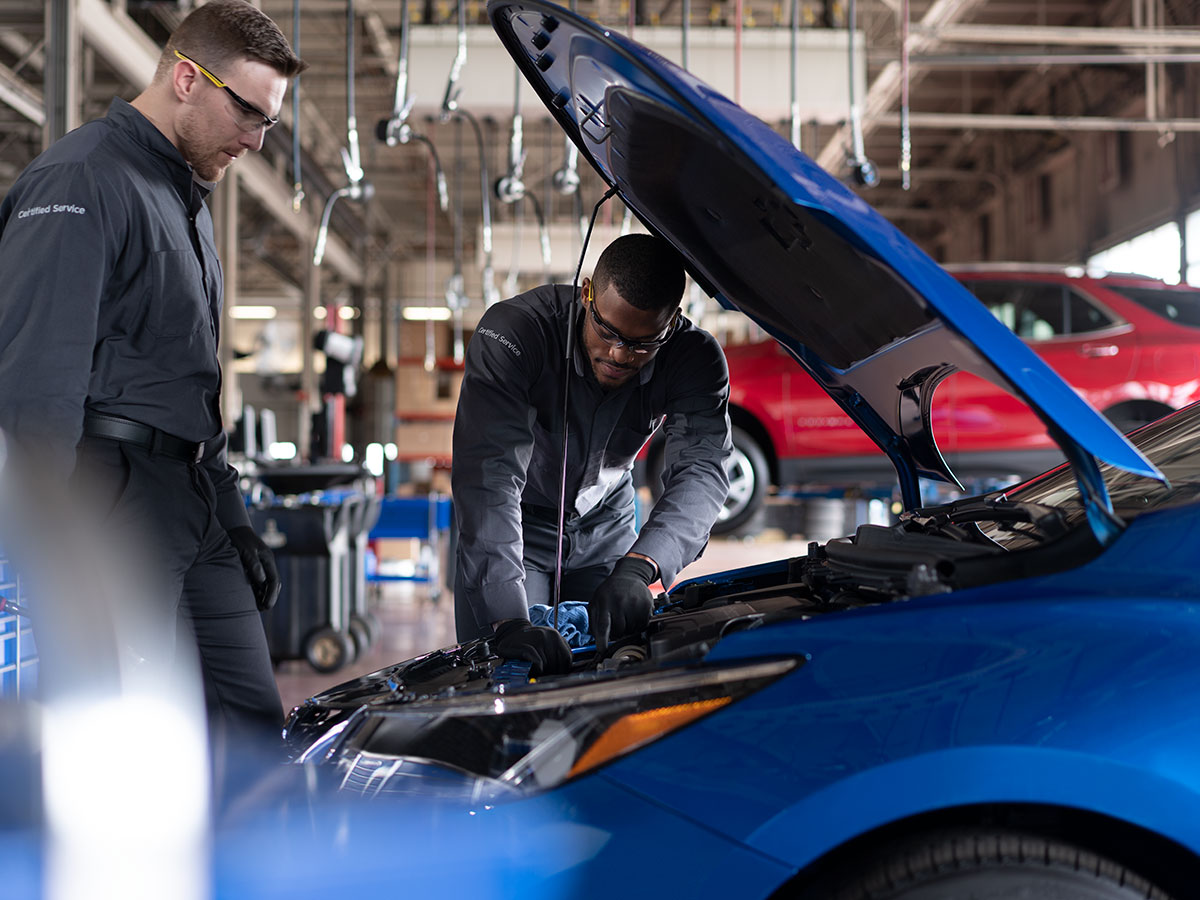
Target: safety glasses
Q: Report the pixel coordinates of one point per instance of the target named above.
(248, 116)
(614, 338)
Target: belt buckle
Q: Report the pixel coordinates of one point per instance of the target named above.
(199, 453)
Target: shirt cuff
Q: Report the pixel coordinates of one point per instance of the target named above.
(501, 601)
(664, 550)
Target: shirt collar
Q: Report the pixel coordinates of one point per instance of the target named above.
(126, 116)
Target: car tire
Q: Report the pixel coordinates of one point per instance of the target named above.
(749, 478)
(989, 865)
(327, 650)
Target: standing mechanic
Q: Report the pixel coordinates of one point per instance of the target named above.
(637, 364)
(108, 339)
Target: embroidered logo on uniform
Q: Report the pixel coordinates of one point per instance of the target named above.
(497, 336)
(54, 208)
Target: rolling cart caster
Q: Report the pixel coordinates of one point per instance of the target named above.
(369, 622)
(328, 650)
(360, 635)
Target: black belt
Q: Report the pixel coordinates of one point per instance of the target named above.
(114, 428)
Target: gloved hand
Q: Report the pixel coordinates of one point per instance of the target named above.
(622, 603)
(259, 563)
(544, 647)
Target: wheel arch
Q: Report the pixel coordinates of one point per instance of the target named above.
(1137, 412)
(1159, 859)
(1103, 804)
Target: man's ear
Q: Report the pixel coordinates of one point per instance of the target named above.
(184, 80)
(584, 288)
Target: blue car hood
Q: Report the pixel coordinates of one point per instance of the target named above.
(765, 230)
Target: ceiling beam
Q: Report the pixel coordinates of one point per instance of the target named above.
(984, 121)
(1158, 38)
(885, 89)
(21, 97)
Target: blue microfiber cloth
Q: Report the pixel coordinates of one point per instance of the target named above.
(572, 621)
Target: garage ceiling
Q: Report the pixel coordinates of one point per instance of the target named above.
(972, 67)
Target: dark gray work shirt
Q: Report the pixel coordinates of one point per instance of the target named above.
(508, 442)
(110, 296)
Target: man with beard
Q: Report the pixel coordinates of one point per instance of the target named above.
(109, 375)
(637, 364)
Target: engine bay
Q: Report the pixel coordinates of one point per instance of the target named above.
(928, 551)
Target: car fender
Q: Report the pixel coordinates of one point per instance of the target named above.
(942, 780)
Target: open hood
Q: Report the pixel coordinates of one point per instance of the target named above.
(765, 230)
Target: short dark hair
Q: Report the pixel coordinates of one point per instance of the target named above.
(223, 31)
(645, 270)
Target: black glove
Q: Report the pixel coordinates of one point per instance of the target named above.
(544, 647)
(259, 563)
(622, 603)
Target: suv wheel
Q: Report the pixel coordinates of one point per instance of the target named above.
(749, 476)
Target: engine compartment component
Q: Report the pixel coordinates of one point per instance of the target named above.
(928, 551)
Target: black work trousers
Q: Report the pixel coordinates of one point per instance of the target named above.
(162, 512)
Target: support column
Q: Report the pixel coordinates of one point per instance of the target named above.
(309, 396)
(63, 50)
(225, 218)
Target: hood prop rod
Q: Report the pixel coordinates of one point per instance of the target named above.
(572, 329)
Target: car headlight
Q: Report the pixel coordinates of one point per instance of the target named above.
(488, 746)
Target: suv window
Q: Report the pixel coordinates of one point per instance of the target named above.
(1180, 306)
(1039, 310)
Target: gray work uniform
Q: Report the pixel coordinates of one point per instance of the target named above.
(508, 452)
(110, 304)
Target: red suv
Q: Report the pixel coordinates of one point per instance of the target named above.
(1129, 345)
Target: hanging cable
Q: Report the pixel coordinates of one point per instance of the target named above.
(357, 189)
(863, 170)
(570, 361)
(297, 176)
(905, 133)
(795, 64)
(395, 130)
(456, 294)
(451, 108)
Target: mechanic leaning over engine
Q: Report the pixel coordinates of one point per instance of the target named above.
(638, 363)
(109, 317)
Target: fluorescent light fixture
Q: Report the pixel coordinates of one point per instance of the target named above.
(348, 312)
(390, 450)
(253, 312)
(283, 450)
(422, 313)
(319, 312)
(347, 453)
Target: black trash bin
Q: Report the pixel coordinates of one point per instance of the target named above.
(309, 537)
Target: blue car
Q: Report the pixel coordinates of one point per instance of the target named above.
(993, 698)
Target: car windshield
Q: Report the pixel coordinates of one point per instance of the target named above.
(1172, 443)
(1180, 305)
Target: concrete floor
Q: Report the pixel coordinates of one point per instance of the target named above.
(413, 623)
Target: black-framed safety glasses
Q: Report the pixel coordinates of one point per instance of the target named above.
(249, 117)
(614, 338)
